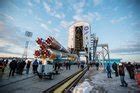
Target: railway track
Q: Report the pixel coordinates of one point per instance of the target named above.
(66, 85)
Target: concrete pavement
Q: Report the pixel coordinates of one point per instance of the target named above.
(35, 85)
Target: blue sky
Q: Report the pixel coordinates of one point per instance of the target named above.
(116, 22)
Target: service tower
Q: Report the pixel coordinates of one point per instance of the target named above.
(79, 38)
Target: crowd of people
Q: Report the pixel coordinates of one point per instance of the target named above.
(19, 65)
(15, 65)
(119, 70)
(62, 65)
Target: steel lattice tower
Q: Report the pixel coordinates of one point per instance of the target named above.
(94, 43)
(28, 35)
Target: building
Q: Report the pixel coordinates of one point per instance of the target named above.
(79, 37)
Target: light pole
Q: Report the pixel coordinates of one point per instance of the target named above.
(28, 35)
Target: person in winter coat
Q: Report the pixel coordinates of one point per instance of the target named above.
(78, 64)
(13, 66)
(122, 75)
(23, 63)
(67, 64)
(28, 66)
(35, 66)
(97, 65)
(115, 68)
(130, 68)
(82, 64)
(108, 70)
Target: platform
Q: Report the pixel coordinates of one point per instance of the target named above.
(35, 85)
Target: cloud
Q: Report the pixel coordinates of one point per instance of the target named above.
(1, 25)
(79, 6)
(38, 1)
(58, 4)
(56, 30)
(7, 17)
(37, 18)
(49, 22)
(96, 2)
(97, 16)
(11, 49)
(54, 11)
(14, 6)
(89, 17)
(12, 40)
(80, 16)
(131, 47)
(30, 11)
(64, 24)
(114, 21)
(44, 26)
(128, 49)
(30, 3)
(121, 19)
(47, 7)
(60, 16)
(12, 34)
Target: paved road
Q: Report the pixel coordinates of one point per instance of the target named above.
(35, 85)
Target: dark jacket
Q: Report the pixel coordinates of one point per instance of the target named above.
(13, 64)
(121, 70)
(114, 66)
(23, 63)
(28, 64)
(97, 64)
(130, 67)
(35, 62)
(108, 68)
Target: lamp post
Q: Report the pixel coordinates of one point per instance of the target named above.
(28, 35)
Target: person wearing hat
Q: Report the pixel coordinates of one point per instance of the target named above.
(122, 75)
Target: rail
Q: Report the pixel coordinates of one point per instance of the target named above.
(66, 85)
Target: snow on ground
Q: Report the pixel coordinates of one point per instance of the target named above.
(112, 85)
(101, 84)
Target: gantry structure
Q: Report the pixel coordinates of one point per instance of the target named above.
(82, 40)
(95, 55)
